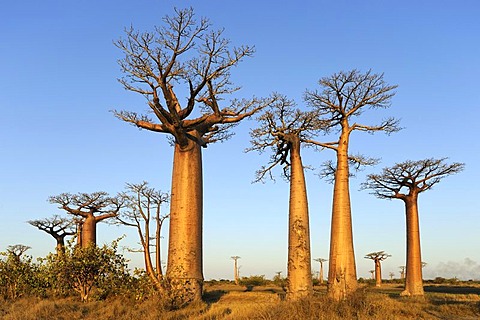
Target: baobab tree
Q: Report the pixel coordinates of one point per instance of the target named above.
(185, 57)
(320, 273)
(391, 274)
(91, 208)
(235, 269)
(402, 272)
(405, 181)
(58, 227)
(377, 258)
(282, 128)
(142, 205)
(344, 97)
(373, 274)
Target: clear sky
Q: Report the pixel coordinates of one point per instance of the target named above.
(58, 82)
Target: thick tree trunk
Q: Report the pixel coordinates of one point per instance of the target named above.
(184, 269)
(60, 248)
(342, 275)
(89, 231)
(413, 281)
(378, 273)
(299, 260)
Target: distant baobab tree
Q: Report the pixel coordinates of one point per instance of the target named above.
(402, 272)
(344, 97)
(58, 227)
(320, 272)
(142, 205)
(282, 129)
(236, 275)
(405, 181)
(185, 58)
(91, 208)
(391, 274)
(377, 258)
(373, 274)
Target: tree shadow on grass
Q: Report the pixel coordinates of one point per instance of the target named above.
(213, 296)
(453, 289)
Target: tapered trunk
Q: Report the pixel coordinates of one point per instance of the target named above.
(184, 269)
(299, 261)
(158, 256)
(60, 248)
(413, 276)
(320, 274)
(89, 231)
(342, 276)
(235, 271)
(378, 273)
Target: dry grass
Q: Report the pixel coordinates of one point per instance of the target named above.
(228, 302)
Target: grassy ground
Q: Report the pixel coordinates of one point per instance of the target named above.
(228, 301)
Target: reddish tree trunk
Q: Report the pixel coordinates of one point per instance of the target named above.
(413, 280)
(185, 261)
(299, 260)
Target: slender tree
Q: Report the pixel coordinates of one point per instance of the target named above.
(185, 57)
(391, 274)
(282, 129)
(142, 206)
(91, 208)
(377, 258)
(235, 269)
(405, 181)
(344, 97)
(402, 272)
(373, 274)
(58, 227)
(320, 273)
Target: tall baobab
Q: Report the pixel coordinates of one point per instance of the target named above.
(320, 273)
(91, 208)
(235, 269)
(282, 128)
(377, 258)
(344, 97)
(58, 227)
(142, 204)
(185, 57)
(405, 181)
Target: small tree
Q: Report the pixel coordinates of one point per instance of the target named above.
(391, 274)
(16, 272)
(91, 208)
(377, 258)
(344, 97)
(85, 268)
(58, 227)
(142, 204)
(236, 275)
(320, 273)
(405, 181)
(402, 272)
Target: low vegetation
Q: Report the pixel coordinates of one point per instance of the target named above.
(225, 300)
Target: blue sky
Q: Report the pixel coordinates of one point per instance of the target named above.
(58, 82)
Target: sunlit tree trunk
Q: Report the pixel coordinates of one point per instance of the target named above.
(184, 269)
(378, 273)
(342, 276)
(413, 278)
(299, 260)
(89, 231)
(158, 256)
